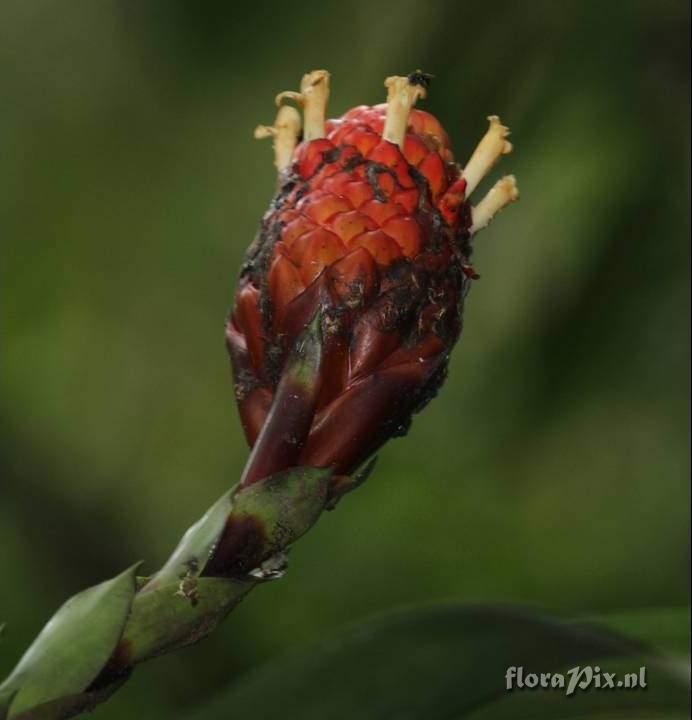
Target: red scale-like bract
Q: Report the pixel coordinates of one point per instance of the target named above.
(377, 238)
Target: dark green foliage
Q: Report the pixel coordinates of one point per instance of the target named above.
(448, 663)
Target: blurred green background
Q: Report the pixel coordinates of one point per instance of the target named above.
(551, 471)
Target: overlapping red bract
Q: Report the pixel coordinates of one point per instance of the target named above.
(377, 237)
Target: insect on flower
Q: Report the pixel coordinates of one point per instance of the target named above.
(351, 295)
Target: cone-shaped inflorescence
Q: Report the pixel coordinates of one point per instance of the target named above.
(351, 296)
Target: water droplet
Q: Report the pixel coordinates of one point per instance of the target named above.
(271, 569)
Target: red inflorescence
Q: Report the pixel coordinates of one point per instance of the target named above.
(376, 236)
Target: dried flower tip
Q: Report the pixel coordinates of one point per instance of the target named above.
(289, 95)
(285, 131)
(313, 96)
(500, 195)
(486, 154)
(315, 89)
(401, 97)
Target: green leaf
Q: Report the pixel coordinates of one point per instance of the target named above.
(178, 614)
(267, 517)
(666, 629)
(449, 662)
(74, 646)
(6, 698)
(190, 556)
(288, 503)
(71, 705)
(264, 519)
(180, 605)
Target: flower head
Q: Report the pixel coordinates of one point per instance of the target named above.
(351, 296)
